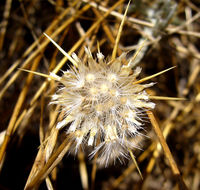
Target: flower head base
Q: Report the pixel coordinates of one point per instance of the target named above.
(103, 105)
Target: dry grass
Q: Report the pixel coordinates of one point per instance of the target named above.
(34, 154)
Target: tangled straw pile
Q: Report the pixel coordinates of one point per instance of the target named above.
(32, 149)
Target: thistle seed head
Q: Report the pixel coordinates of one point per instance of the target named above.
(103, 105)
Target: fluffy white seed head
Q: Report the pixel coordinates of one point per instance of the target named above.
(103, 106)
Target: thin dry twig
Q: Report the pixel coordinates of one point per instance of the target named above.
(4, 22)
(167, 151)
